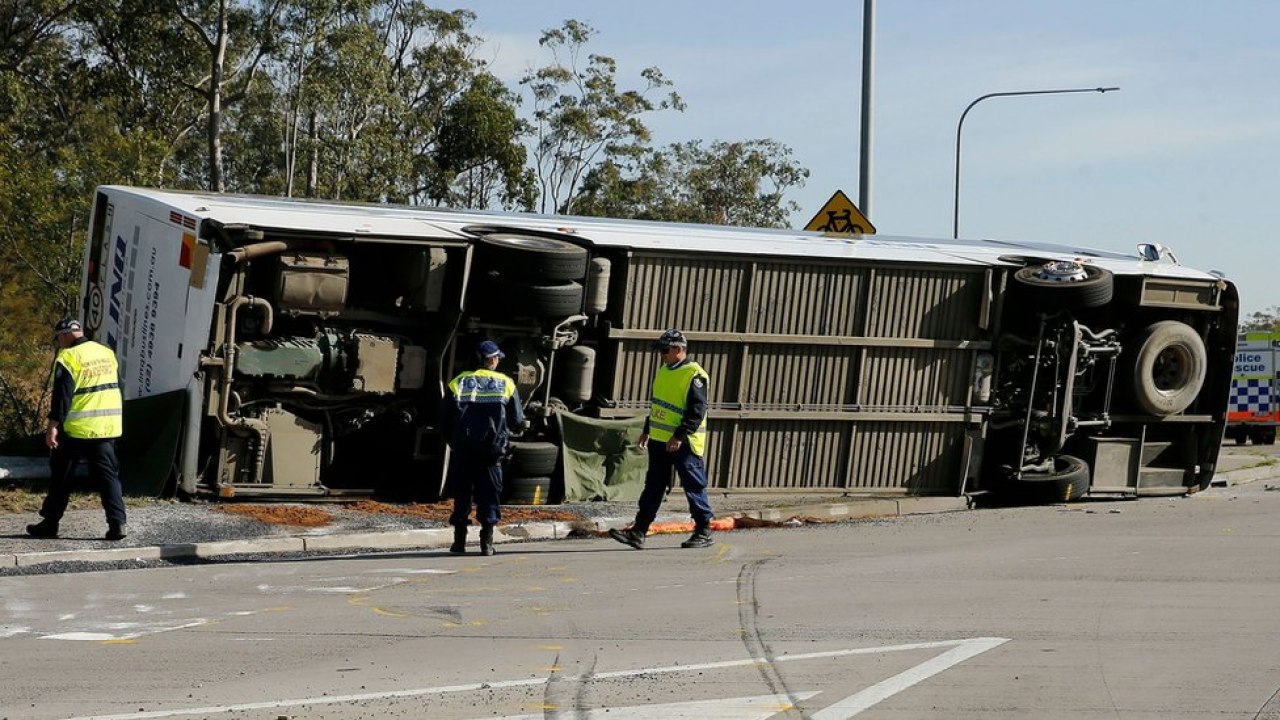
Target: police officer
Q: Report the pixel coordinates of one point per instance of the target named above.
(85, 418)
(480, 407)
(675, 434)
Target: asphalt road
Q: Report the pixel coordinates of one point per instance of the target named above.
(1142, 609)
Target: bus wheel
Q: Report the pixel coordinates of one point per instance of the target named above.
(528, 490)
(537, 259)
(1168, 369)
(494, 295)
(533, 458)
(1068, 481)
(1064, 286)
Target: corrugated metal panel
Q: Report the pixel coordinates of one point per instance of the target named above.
(790, 375)
(787, 454)
(805, 299)
(692, 294)
(921, 458)
(933, 303)
(637, 363)
(907, 377)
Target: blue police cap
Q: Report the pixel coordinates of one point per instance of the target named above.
(489, 349)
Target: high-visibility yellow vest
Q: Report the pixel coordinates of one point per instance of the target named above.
(670, 394)
(482, 386)
(480, 423)
(97, 406)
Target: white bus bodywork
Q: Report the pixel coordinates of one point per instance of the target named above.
(301, 344)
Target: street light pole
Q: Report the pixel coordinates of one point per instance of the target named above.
(955, 228)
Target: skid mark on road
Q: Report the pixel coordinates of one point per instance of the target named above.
(748, 620)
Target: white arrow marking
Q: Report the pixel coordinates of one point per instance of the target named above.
(759, 707)
(974, 645)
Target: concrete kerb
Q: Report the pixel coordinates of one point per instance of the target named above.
(434, 538)
(1246, 475)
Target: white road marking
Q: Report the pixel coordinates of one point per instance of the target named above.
(760, 707)
(856, 703)
(411, 571)
(99, 636)
(972, 646)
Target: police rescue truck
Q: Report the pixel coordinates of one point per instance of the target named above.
(276, 347)
(1255, 408)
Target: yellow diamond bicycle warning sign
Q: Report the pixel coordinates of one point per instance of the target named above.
(840, 215)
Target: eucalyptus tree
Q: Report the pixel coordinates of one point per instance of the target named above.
(232, 39)
(580, 115)
(478, 159)
(726, 183)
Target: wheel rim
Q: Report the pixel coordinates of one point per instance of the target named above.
(1062, 271)
(1171, 369)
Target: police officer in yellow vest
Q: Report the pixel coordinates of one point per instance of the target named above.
(480, 408)
(85, 418)
(675, 435)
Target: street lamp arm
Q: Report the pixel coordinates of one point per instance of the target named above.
(955, 228)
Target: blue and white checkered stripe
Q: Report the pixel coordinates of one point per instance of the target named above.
(1251, 395)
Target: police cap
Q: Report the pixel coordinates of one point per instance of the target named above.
(670, 339)
(489, 349)
(66, 325)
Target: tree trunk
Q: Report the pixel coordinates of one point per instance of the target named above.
(313, 155)
(216, 182)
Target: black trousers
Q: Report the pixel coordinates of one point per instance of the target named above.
(104, 470)
(475, 480)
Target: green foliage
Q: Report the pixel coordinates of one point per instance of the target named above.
(581, 118)
(372, 100)
(1262, 320)
(728, 183)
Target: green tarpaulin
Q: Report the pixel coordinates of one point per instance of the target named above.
(601, 460)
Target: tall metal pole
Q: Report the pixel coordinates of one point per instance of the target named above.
(868, 68)
(955, 227)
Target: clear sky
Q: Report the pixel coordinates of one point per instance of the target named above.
(1186, 154)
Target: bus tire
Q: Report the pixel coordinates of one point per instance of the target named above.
(528, 490)
(531, 258)
(1038, 293)
(495, 295)
(552, 301)
(1067, 482)
(1167, 371)
(533, 458)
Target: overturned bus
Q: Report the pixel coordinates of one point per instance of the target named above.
(274, 347)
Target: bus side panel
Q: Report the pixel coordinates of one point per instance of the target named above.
(824, 377)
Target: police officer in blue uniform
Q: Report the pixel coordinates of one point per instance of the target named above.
(675, 435)
(85, 418)
(480, 408)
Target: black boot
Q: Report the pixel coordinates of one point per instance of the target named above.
(116, 531)
(486, 539)
(700, 538)
(459, 546)
(633, 536)
(43, 529)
